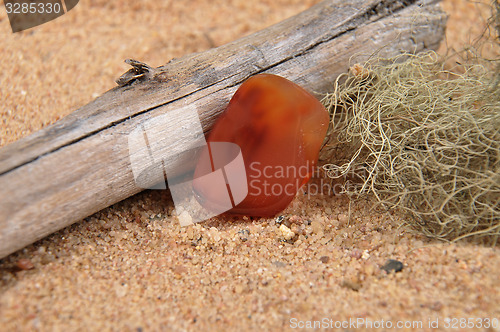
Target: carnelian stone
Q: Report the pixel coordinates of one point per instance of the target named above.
(279, 128)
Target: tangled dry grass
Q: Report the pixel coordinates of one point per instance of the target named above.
(421, 139)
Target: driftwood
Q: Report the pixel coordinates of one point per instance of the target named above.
(80, 164)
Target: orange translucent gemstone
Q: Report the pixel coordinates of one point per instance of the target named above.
(279, 128)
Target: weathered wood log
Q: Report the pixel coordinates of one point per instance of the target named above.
(80, 164)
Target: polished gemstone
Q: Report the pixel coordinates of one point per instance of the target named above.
(279, 128)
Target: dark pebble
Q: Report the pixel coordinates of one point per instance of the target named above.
(392, 265)
(244, 233)
(280, 219)
(324, 259)
(351, 284)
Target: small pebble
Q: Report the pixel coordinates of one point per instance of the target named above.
(25, 264)
(279, 264)
(356, 253)
(215, 234)
(179, 271)
(392, 265)
(244, 233)
(351, 283)
(317, 227)
(238, 289)
(324, 259)
(343, 219)
(286, 232)
(436, 306)
(280, 219)
(185, 218)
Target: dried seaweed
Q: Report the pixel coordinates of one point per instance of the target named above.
(421, 139)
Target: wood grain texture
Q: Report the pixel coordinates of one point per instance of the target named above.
(81, 164)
